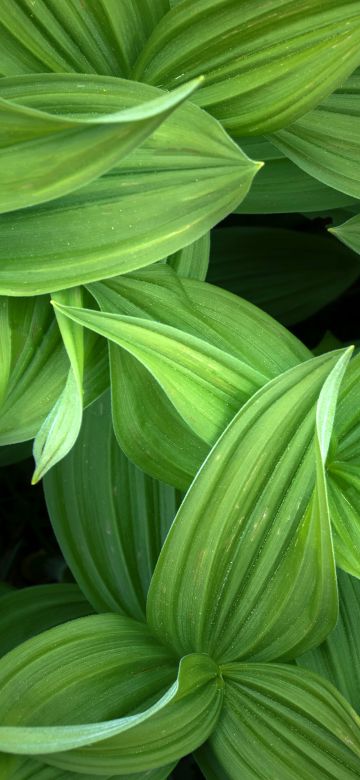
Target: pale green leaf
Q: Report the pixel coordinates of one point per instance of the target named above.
(247, 568)
(94, 37)
(182, 181)
(45, 154)
(290, 274)
(259, 59)
(61, 427)
(110, 519)
(26, 612)
(192, 261)
(338, 658)
(284, 723)
(326, 142)
(282, 187)
(105, 704)
(349, 233)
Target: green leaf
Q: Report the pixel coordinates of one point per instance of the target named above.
(349, 233)
(338, 658)
(247, 568)
(259, 59)
(25, 613)
(110, 519)
(61, 427)
(102, 37)
(45, 154)
(18, 768)
(183, 180)
(325, 143)
(254, 263)
(15, 453)
(192, 261)
(202, 353)
(343, 472)
(283, 722)
(34, 366)
(104, 704)
(282, 187)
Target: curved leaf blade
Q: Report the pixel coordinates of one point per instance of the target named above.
(286, 722)
(113, 668)
(103, 37)
(349, 233)
(325, 143)
(254, 574)
(259, 60)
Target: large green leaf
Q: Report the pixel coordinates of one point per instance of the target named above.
(288, 273)
(93, 37)
(161, 422)
(349, 233)
(338, 658)
(247, 568)
(259, 58)
(18, 768)
(46, 154)
(185, 178)
(34, 367)
(343, 470)
(282, 187)
(94, 697)
(326, 142)
(110, 519)
(205, 359)
(26, 612)
(284, 723)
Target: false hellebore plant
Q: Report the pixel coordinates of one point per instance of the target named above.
(129, 130)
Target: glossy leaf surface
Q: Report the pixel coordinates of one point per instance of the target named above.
(338, 658)
(253, 526)
(192, 262)
(279, 721)
(259, 59)
(185, 178)
(29, 611)
(110, 519)
(288, 273)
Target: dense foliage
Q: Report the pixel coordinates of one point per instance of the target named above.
(179, 241)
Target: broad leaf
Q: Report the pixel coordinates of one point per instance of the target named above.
(45, 154)
(110, 519)
(259, 59)
(247, 568)
(288, 273)
(192, 262)
(102, 37)
(282, 187)
(183, 180)
(343, 470)
(326, 142)
(349, 233)
(29, 611)
(338, 658)
(163, 424)
(283, 722)
(100, 671)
